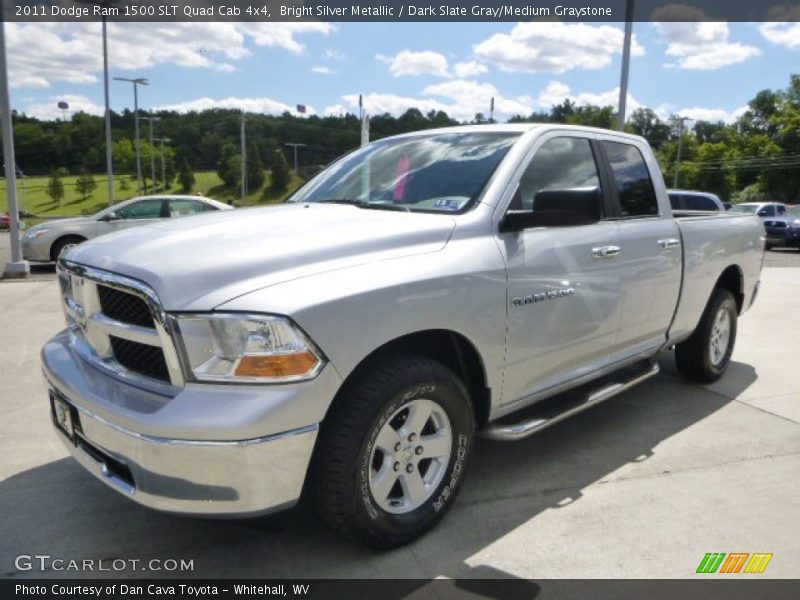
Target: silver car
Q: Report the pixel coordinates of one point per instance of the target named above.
(43, 243)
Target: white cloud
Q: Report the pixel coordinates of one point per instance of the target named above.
(470, 69)
(712, 114)
(557, 92)
(336, 110)
(703, 46)
(42, 54)
(782, 34)
(254, 105)
(49, 111)
(554, 47)
(458, 98)
(334, 54)
(409, 63)
(322, 70)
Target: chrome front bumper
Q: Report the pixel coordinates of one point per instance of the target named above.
(203, 477)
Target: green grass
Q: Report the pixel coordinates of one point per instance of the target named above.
(35, 200)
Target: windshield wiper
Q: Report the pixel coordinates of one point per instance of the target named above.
(364, 204)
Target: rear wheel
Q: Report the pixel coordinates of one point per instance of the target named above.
(63, 244)
(391, 455)
(705, 356)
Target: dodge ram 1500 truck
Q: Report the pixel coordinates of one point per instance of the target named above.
(347, 346)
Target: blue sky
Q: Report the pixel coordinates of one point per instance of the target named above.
(700, 70)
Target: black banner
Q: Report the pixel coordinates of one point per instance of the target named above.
(401, 10)
(382, 589)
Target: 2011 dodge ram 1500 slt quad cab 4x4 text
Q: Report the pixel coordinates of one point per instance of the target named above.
(350, 344)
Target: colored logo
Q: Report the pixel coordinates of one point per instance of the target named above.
(734, 562)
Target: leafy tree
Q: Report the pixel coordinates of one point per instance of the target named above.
(255, 168)
(229, 167)
(85, 184)
(55, 186)
(280, 171)
(646, 123)
(185, 176)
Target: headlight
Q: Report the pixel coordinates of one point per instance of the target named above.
(237, 347)
(32, 234)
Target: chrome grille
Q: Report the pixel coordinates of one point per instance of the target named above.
(117, 324)
(125, 307)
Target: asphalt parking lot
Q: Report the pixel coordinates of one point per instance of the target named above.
(639, 487)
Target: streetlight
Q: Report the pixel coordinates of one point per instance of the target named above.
(109, 162)
(163, 164)
(16, 267)
(136, 82)
(295, 146)
(151, 120)
(626, 64)
(681, 121)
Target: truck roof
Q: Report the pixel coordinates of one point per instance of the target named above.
(518, 128)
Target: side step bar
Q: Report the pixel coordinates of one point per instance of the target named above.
(535, 424)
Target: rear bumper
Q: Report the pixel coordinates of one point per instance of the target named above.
(216, 473)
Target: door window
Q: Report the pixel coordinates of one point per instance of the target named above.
(182, 208)
(637, 196)
(145, 209)
(699, 203)
(563, 163)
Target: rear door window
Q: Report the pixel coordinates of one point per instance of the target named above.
(637, 196)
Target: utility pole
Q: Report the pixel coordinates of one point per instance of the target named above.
(681, 121)
(244, 161)
(152, 149)
(136, 82)
(295, 146)
(162, 141)
(626, 64)
(16, 267)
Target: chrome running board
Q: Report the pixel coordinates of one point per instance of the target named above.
(535, 424)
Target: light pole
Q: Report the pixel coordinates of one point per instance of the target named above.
(16, 267)
(243, 162)
(162, 141)
(107, 94)
(626, 64)
(681, 121)
(136, 82)
(152, 149)
(295, 146)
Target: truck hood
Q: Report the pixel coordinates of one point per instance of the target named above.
(199, 262)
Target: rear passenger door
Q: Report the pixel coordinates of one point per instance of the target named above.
(650, 262)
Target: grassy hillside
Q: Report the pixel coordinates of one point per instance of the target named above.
(32, 196)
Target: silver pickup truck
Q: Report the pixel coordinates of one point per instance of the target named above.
(348, 346)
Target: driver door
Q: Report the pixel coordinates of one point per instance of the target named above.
(563, 287)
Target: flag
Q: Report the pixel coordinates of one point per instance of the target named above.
(301, 108)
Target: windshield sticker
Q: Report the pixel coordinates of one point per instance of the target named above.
(449, 203)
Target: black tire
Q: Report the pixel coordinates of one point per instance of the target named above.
(693, 357)
(339, 477)
(61, 243)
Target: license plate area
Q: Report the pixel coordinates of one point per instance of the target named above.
(64, 415)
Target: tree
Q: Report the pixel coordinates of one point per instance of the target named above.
(255, 168)
(280, 171)
(85, 184)
(228, 169)
(55, 187)
(185, 176)
(646, 123)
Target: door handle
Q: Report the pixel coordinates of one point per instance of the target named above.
(606, 251)
(668, 243)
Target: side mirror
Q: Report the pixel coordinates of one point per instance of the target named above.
(557, 208)
(112, 216)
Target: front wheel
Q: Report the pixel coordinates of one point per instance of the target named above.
(393, 451)
(705, 356)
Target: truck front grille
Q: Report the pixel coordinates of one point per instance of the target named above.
(125, 307)
(140, 358)
(116, 323)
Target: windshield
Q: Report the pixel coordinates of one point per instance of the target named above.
(443, 172)
(749, 209)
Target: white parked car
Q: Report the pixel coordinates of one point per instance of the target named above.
(764, 210)
(44, 242)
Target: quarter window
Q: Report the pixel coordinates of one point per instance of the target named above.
(637, 196)
(182, 208)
